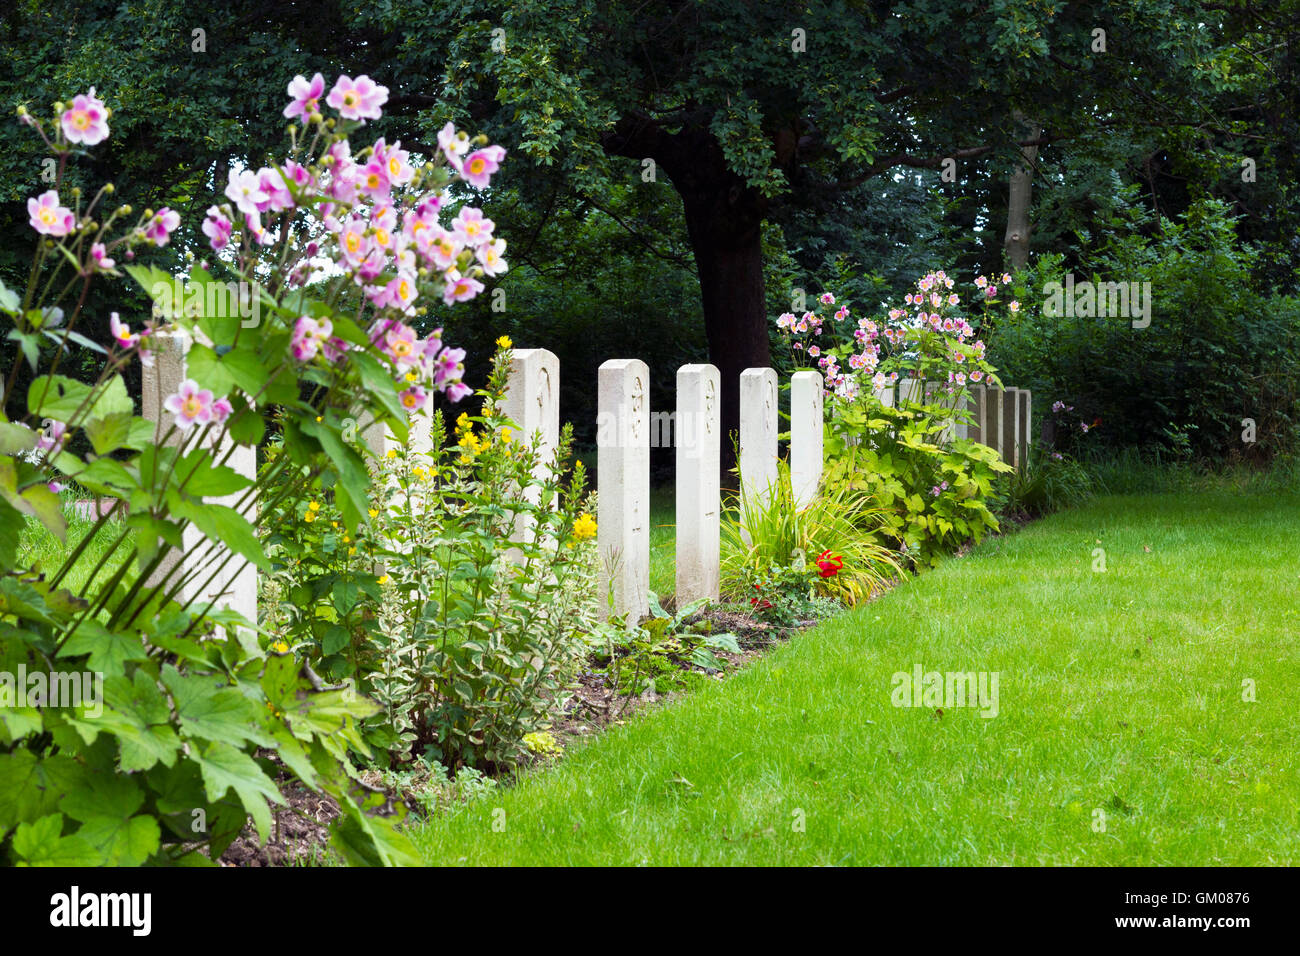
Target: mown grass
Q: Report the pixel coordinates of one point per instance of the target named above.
(40, 549)
(1121, 737)
(663, 541)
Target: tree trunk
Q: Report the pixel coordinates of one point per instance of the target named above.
(1016, 240)
(725, 234)
(724, 219)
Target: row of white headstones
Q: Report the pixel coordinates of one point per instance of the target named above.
(999, 418)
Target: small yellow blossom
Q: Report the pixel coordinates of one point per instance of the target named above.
(334, 524)
(507, 436)
(392, 453)
(412, 377)
(352, 550)
(418, 472)
(463, 423)
(314, 505)
(584, 526)
(373, 513)
(309, 517)
(279, 647)
(383, 579)
(504, 342)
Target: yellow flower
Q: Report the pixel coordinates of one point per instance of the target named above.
(506, 435)
(463, 423)
(382, 579)
(314, 505)
(319, 419)
(334, 524)
(352, 550)
(584, 526)
(309, 517)
(373, 513)
(280, 647)
(504, 342)
(418, 472)
(466, 460)
(346, 539)
(392, 453)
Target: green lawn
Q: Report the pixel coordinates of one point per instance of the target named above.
(1120, 699)
(663, 542)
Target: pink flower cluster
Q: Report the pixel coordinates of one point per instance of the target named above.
(381, 230)
(925, 330)
(192, 406)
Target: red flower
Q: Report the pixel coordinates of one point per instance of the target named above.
(829, 564)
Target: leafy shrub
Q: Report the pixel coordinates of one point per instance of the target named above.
(933, 489)
(480, 625)
(662, 652)
(1219, 348)
(1048, 481)
(786, 595)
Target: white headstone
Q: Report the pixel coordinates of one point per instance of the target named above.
(910, 390)
(623, 484)
(235, 586)
(758, 431)
(807, 425)
(532, 400)
(699, 447)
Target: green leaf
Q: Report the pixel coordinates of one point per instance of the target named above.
(61, 398)
(25, 792)
(41, 844)
(109, 650)
(213, 712)
(378, 381)
(345, 595)
(247, 427)
(48, 509)
(226, 525)
(120, 841)
(93, 795)
(16, 439)
(30, 343)
(364, 840)
(202, 477)
(158, 285)
(109, 432)
(353, 474)
(225, 768)
(152, 738)
(9, 300)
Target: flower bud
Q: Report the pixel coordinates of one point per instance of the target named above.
(108, 189)
(60, 106)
